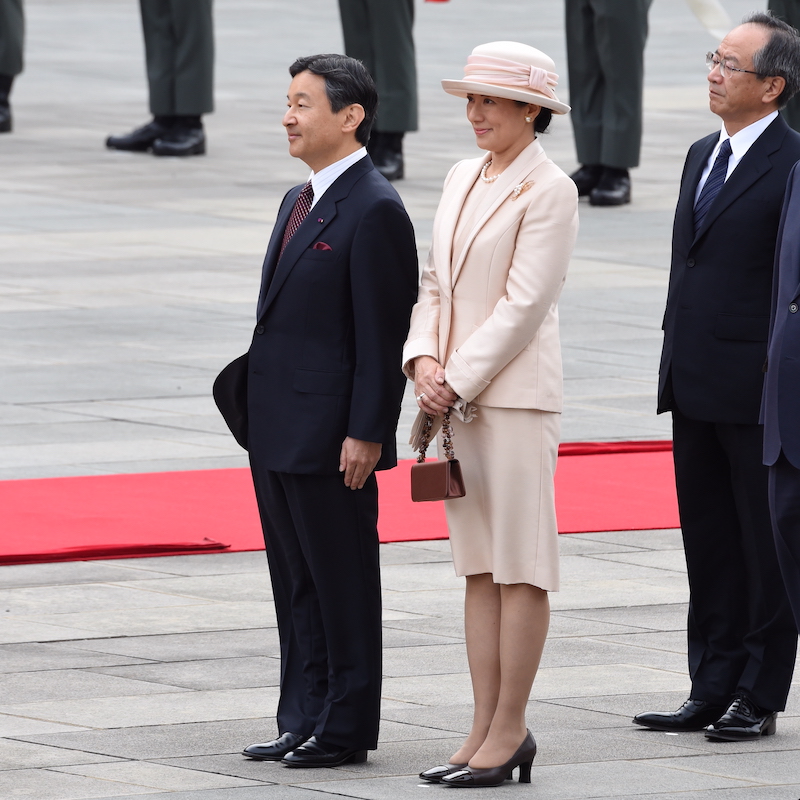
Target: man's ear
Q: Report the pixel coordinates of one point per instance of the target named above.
(773, 86)
(353, 116)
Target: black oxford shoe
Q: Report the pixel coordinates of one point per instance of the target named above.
(180, 141)
(315, 753)
(693, 715)
(614, 188)
(139, 140)
(276, 749)
(586, 178)
(742, 721)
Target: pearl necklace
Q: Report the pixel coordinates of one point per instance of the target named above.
(483, 173)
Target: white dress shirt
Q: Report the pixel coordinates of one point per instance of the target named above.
(740, 144)
(321, 181)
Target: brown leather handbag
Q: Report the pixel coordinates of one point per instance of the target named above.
(437, 480)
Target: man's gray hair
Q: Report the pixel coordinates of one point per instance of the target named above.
(780, 56)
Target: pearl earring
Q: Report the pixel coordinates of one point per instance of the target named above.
(527, 119)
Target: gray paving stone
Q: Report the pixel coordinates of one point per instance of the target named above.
(33, 687)
(187, 646)
(26, 755)
(149, 742)
(42, 784)
(157, 776)
(220, 673)
(264, 792)
(29, 657)
(154, 709)
(248, 587)
(69, 572)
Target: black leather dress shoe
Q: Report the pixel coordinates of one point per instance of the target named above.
(613, 189)
(276, 749)
(742, 721)
(5, 119)
(586, 178)
(315, 753)
(180, 141)
(693, 715)
(139, 140)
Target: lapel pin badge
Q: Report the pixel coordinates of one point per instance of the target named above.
(319, 219)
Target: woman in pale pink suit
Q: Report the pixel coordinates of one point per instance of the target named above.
(484, 341)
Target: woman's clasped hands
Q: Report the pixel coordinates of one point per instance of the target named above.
(434, 395)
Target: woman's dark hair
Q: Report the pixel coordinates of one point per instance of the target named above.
(346, 82)
(542, 121)
(780, 56)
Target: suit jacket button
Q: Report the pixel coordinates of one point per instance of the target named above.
(259, 329)
(690, 262)
(793, 307)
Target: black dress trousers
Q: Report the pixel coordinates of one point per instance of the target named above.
(741, 634)
(784, 497)
(322, 550)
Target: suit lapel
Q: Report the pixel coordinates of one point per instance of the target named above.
(457, 191)
(274, 247)
(320, 216)
(515, 174)
(755, 163)
(684, 213)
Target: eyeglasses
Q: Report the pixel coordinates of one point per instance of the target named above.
(725, 68)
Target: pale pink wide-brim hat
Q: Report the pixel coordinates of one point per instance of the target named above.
(511, 70)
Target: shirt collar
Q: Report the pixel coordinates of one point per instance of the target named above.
(321, 181)
(741, 141)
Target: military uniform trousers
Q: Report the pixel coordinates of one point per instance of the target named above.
(179, 52)
(605, 58)
(12, 34)
(379, 33)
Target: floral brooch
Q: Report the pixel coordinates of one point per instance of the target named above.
(520, 188)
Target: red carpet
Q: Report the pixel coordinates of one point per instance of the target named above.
(599, 487)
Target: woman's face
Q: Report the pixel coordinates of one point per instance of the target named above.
(499, 124)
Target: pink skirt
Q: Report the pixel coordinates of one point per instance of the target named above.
(506, 524)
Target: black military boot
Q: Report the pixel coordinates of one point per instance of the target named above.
(5, 107)
(387, 154)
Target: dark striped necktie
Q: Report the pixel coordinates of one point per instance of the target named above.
(714, 182)
(300, 211)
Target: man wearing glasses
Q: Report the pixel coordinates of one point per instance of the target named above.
(741, 635)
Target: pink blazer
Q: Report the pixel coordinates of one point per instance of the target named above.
(491, 318)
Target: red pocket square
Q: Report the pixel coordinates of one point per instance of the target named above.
(321, 246)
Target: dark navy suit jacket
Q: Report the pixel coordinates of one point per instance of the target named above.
(781, 406)
(717, 317)
(325, 358)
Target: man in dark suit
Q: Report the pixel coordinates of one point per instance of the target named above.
(323, 398)
(741, 635)
(780, 407)
(179, 55)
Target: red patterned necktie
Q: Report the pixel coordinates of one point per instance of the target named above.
(300, 211)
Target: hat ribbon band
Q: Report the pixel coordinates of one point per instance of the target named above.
(502, 72)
